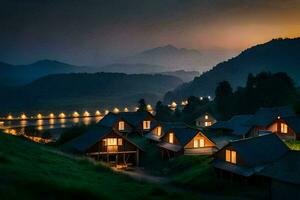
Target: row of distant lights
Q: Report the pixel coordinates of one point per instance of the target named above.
(75, 114)
(185, 102)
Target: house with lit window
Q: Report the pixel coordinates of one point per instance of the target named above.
(205, 120)
(287, 128)
(236, 126)
(264, 117)
(128, 122)
(283, 176)
(185, 141)
(107, 145)
(160, 128)
(246, 157)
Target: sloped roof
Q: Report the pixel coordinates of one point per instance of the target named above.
(294, 123)
(86, 140)
(286, 169)
(171, 147)
(134, 118)
(265, 116)
(109, 120)
(260, 150)
(91, 137)
(237, 124)
(237, 169)
(184, 134)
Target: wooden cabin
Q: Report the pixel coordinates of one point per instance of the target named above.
(287, 128)
(283, 176)
(160, 128)
(236, 126)
(105, 144)
(116, 123)
(245, 157)
(205, 120)
(128, 122)
(185, 141)
(265, 117)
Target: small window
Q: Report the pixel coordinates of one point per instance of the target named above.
(146, 125)
(207, 124)
(120, 141)
(201, 141)
(121, 125)
(111, 141)
(158, 131)
(231, 156)
(196, 144)
(171, 138)
(206, 116)
(227, 155)
(283, 128)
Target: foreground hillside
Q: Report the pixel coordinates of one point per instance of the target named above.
(32, 171)
(280, 55)
(66, 92)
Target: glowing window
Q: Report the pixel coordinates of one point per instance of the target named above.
(111, 141)
(198, 143)
(120, 141)
(121, 125)
(207, 123)
(158, 131)
(283, 128)
(227, 155)
(171, 138)
(146, 125)
(231, 156)
(206, 116)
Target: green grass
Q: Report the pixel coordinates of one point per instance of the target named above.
(34, 171)
(294, 145)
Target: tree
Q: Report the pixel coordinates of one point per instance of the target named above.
(223, 98)
(142, 105)
(163, 112)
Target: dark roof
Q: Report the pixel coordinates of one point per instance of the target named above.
(286, 169)
(109, 120)
(237, 124)
(86, 140)
(294, 123)
(171, 147)
(184, 134)
(91, 137)
(266, 116)
(152, 137)
(260, 150)
(134, 118)
(237, 169)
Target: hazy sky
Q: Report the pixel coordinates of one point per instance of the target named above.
(90, 32)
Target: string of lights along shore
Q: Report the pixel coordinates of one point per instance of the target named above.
(173, 105)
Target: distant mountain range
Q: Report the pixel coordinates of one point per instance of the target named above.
(179, 58)
(15, 75)
(22, 74)
(278, 55)
(83, 91)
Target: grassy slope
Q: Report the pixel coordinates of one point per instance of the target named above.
(294, 145)
(33, 171)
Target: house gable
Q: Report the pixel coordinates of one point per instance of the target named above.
(196, 142)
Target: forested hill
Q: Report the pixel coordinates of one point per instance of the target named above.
(278, 55)
(83, 90)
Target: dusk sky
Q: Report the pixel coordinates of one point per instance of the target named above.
(91, 32)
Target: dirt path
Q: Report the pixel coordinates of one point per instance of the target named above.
(141, 175)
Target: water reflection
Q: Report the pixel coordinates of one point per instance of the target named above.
(18, 127)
